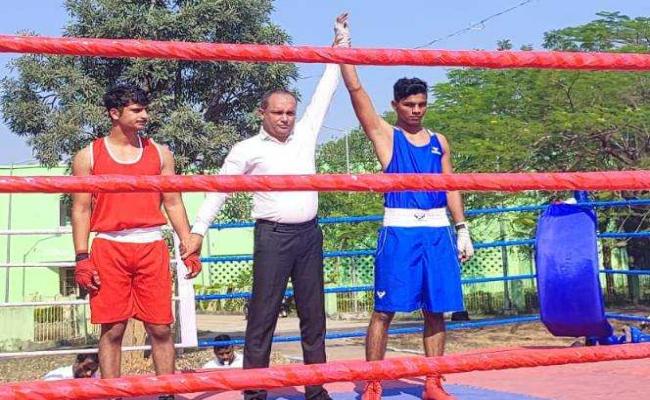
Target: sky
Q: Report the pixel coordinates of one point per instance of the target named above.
(374, 23)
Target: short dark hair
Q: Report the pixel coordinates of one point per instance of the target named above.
(84, 356)
(222, 338)
(267, 95)
(124, 94)
(406, 87)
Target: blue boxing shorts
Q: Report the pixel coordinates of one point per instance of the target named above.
(417, 268)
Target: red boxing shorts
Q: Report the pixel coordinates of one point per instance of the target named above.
(135, 282)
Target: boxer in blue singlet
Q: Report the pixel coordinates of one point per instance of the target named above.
(417, 261)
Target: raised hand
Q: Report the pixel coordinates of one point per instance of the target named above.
(342, 31)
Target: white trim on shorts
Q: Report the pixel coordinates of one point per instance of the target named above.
(415, 217)
(136, 235)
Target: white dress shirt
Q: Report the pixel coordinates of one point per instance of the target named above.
(262, 154)
(60, 373)
(237, 362)
(64, 373)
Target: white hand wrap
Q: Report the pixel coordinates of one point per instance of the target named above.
(464, 243)
(342, 35)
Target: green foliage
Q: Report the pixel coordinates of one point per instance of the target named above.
(535, 120)
(332, 159)
(612, 32)
(200, 108)
(237, 208)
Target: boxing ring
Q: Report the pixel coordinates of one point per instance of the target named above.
(519, 373)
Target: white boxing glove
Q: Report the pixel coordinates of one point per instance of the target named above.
(464, 242)
(342, 31)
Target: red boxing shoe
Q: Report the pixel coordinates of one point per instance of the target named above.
(372, 391)
(433, 389)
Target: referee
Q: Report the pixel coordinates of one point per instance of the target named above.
(288, 241)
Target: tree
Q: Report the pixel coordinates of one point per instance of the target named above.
(610, 128)
(534, 120)
(505, 44)
(200, 108)
(605, 115)
(521, 120)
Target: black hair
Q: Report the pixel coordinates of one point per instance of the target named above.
(268, 94)
(222, 338)
(406, 87)
(124, 94)
(84, 356)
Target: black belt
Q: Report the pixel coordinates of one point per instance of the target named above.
(282, 225)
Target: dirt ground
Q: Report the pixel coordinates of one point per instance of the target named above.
(529, 334)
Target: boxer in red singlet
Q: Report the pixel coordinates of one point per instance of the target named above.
(127, 270)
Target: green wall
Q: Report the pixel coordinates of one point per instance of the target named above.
(31, 211)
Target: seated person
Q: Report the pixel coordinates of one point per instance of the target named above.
(85, 366)
(225, 356)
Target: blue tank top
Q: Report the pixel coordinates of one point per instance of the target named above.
(408, 158)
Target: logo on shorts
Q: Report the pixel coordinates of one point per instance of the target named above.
(436, 150)
(381, 293)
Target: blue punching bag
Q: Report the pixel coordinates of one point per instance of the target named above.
(566, 256)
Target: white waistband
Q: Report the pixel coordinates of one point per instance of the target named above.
(137, 235)
(415, 217)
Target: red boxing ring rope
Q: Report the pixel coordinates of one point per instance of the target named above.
(276, 53)
(315, 374)
(509, 182)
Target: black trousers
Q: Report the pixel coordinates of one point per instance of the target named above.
(283, 252)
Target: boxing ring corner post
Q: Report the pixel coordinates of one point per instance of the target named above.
(186, 305)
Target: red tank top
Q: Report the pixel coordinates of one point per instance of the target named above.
(119, 211)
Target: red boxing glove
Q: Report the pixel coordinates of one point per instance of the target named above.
(85, 274)
(193, 264)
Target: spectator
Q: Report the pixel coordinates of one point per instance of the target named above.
(225, 355)
(85, 366)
